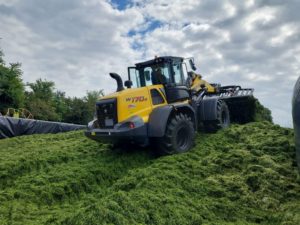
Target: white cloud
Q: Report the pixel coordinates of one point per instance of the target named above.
(262, 16)
(284, 32)
(76, 46)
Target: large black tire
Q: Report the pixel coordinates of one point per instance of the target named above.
(223, 118)
(296, 119)
(179, 136)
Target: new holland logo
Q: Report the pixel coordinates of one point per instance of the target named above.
(131, 106)
(136, 99)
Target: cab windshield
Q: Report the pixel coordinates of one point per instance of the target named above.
(150, 75)
(174, 72)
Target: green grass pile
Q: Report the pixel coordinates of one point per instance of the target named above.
(243, 175)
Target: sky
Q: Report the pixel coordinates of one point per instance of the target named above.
(76, 43)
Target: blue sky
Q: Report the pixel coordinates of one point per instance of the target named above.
(76, 43)
(121, 4)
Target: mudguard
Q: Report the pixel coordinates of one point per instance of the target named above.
(158, 119)
(207, 109)
(296, 119)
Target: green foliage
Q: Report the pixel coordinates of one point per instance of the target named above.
(81, 110)
(243, 175)
(1, 57)
(60, 104)
(41, 109)
(91, 99)
(43, 100)
(42, 89)
(77, 111)
(46, 104)
(11, 86)
(40, 101)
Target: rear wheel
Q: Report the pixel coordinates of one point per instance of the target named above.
(179, 136)
(223, 118)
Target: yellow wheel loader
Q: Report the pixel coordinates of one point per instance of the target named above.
(164, 103)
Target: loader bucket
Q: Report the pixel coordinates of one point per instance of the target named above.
(242, 110)
(247, 109)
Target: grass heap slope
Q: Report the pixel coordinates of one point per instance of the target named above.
(243, 175)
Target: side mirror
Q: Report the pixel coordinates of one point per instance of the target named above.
(128, 83)
(192, 64)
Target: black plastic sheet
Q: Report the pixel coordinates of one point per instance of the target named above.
(296, 118)
(11, 127)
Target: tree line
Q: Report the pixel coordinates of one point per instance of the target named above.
(41, 98)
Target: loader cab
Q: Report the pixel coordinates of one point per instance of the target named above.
(170, 72)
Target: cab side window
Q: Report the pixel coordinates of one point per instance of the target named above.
(177, 74)
(156, 97)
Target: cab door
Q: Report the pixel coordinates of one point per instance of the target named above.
(158, 98)
(178, 91)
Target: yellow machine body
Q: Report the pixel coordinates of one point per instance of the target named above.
(198, 82)
(136, 102)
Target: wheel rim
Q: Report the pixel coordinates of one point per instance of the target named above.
(182, 138)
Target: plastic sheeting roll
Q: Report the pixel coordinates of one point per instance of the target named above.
(296, 119)
(11, 127)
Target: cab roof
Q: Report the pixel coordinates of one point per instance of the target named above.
(158, 60)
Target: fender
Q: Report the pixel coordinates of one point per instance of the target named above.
(207, 109)
(296, 119)
(159, 118)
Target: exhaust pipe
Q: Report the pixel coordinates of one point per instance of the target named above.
(119, 81)
(296, 118)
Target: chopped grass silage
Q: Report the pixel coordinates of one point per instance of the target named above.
(243, 175)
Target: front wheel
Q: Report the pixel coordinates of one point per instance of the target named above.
(223, 118)
(179, 136)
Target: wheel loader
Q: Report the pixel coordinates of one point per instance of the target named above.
(165, 103)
